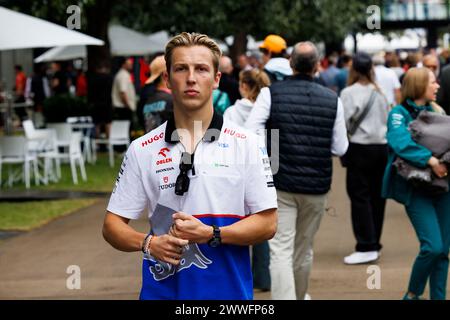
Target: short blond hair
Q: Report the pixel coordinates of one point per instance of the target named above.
(186, 39)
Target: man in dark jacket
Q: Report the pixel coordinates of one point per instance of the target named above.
(228, 83)
(443, 96)
(311, 126)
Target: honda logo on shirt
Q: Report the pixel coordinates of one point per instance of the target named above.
(163, 153)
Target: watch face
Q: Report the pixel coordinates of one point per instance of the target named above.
(214, 243)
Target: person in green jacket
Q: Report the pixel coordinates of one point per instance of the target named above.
(429, 213)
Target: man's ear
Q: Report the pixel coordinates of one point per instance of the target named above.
(217, 79)
(316, 68)
(166, 79)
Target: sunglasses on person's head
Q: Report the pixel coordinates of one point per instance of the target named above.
(186, 164)
(432, 67)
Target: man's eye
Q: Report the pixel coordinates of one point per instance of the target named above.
(179, 68)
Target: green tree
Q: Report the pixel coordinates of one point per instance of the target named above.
(317, 20)
(295, 20)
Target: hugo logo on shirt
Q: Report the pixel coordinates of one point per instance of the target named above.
(152, 139)
(233, 133)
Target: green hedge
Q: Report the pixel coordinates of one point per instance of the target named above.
(58, 108)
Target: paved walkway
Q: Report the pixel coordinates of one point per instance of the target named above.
(33, 265)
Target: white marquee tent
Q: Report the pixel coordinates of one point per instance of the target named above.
(376, 42)
(123, 42)
(20, 31)
(62, 54)
(127, 42)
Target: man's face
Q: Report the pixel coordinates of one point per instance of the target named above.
(242, 61)
(192, 78)
(128, 65)
(266, 56)
(432, 64)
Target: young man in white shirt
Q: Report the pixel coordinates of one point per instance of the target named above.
(204, 210)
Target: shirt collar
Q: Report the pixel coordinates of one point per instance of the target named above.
(302, 76)
(414, 105)
(212, 133)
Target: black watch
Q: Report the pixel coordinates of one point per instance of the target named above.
(216, 240)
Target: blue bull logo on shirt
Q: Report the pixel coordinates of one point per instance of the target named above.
(191, 256)
(161, 221)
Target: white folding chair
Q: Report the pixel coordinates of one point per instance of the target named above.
(118, 136)
(63, 133)
(73, 155)
(14, 151)
(51, 157)
(37, 138)
(86, 126)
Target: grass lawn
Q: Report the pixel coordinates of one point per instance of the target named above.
(24, 216)
(100, 177)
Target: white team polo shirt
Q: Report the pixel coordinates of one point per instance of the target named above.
(231, 175)
(231, 179)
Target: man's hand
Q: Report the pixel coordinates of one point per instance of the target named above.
(167, 248)
(190, 228)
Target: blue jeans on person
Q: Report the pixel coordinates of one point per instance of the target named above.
(430, 217)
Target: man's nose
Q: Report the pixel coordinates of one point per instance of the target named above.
(191, 76)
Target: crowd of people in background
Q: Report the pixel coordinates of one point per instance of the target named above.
(128, 96)
(354, 92)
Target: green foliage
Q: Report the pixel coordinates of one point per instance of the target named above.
(57, 108)
(318, 20)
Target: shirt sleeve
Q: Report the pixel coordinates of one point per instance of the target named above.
(128, 198)
(260, 113)
(443, 95)
(123, 83)
(401, 142)
(260, 193)
(397, 84)
(339, 143)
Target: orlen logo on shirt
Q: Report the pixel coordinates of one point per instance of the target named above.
(163, 153)
(234, 133)
(151, 140)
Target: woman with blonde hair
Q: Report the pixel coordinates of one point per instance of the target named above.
(429, 212)
(250, 84)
